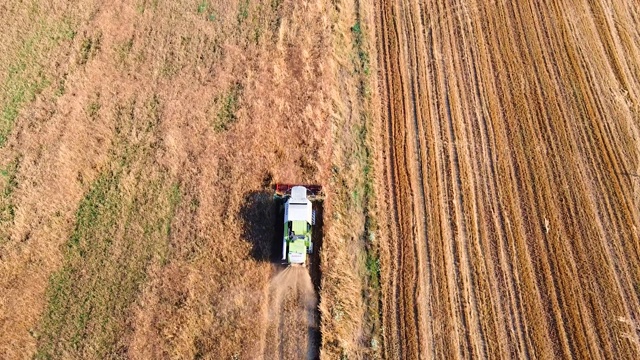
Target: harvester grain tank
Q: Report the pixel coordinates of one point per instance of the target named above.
(299, 220)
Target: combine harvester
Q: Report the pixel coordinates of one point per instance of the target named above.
(299, 219)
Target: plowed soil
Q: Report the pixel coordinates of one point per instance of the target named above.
(511, 167)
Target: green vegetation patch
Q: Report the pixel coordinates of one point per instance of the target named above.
(145, 5)
(24, 80)
(362, 62)
(243, 12)
(226, 107)
(8, 183)
(26, 74)
(372, 296)
(204, 8)
(123, 50)
(122, 227)
(89, 48)
(116, 237)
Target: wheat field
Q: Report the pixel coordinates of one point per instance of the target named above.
(480, 161)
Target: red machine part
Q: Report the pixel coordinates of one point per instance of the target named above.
(312, 190)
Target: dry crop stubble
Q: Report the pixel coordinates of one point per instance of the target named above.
(507, 125)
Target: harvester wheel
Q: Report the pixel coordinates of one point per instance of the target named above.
(313, 218)
(310, 249)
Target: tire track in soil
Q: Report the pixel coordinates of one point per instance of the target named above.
(290, 313)
(508, 129)
(290, 316)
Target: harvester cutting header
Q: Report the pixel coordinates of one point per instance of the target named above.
(299, 219)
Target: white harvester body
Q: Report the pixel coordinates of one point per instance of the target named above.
(298, 219)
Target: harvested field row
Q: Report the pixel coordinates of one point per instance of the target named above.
(510, 155)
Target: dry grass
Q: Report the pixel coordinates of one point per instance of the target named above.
(134, 139)
(350, 328)
(26, 61)
(122, 227)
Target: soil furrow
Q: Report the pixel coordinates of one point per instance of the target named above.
(512, 132)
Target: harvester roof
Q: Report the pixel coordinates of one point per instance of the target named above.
(299, 194)
(298, 207)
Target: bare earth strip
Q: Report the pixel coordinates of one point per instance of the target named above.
(290, 315)
(510, 161)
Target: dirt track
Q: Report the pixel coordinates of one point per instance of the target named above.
(290, 316)
(511, 165)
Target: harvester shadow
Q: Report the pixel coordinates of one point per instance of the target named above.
(261, 226)
(316, 276)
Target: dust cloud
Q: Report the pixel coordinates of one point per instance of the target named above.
(290, 319)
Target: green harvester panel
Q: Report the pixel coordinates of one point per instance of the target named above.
(299, 227)
(298, 247)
